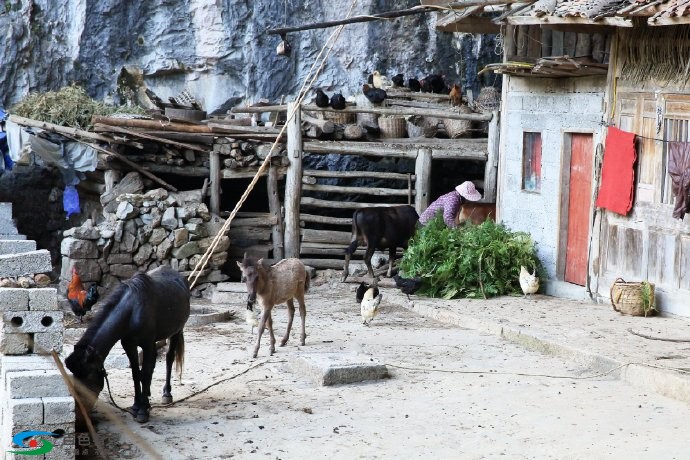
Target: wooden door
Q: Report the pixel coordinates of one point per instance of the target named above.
(579, 206)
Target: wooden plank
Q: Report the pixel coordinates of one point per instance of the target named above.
(522, 39)
(326, 236)
(557, 43)
(151, 124)
(325, 219)
(74, 132)
(139, 134)
(335, 264)
(491, 168)
(214, 178)
(557, 20)
(583, 46)
(357, 174)
(274, 208)
(457, 149)
(249, 172)
(533, 41)
(293, 181)
(306, 201)
(375, 149)
(423, 183)
(339, 251)
(267, 220)
(250, 233)
(378, 191)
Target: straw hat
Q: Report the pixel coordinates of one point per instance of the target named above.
(468, 191)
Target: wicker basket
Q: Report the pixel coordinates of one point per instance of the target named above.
(366, 119)
(635, 299)
(418, 126)
(392, 127)
(342, 118)
(458, 128)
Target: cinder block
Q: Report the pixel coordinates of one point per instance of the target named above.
(26, 262)
(14, 299)
(339, 368)
(16, 246)
(58, 409)
(34, 384)
(15, 344)
(26, 411)
(44, 342)
(43, 299)
(32, 321)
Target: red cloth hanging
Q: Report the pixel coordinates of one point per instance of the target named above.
(617, 174)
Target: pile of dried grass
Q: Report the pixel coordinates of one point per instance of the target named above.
(661, 53)
(70, 106)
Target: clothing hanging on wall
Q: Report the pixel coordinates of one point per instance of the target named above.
(616, 191)
(679, 170)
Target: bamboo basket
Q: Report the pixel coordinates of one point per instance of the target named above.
(392, 127)
(369, 119)
(418, 126)
(343, 118)
(634, 298)
(457, 128)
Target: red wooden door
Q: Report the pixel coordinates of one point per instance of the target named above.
(579, 205)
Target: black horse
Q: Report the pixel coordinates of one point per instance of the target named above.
(147, 308)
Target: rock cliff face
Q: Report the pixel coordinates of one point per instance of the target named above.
(217, 50)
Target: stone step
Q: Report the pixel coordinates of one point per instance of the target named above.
(15, 246)
(25, 263)
(14, 236)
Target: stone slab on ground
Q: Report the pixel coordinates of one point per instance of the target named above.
(338, 368)
(202, 315)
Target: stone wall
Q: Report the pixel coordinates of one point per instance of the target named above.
(141, 230)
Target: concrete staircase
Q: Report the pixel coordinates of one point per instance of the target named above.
(33, 396)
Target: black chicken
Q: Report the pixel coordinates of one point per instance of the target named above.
(321, 98)
(361, 289)
(398, 80)
(434, 83)
(407, 285)
(375, 95)
(414, 85)
(337, 101)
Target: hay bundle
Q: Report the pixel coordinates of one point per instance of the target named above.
(655, 53)
(70, 106)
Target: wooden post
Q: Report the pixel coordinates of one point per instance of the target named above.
(491, 170)
(274, 209)
(293, 182)
(422, 170)
(214, 178)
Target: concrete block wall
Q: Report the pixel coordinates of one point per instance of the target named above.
(552, 107)
(33, 394)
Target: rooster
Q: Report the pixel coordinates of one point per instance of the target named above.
(369, 307)
(455, 95)
(80, 299)
(528, 282)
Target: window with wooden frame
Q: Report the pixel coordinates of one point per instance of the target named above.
(676, 127)
(531, 162)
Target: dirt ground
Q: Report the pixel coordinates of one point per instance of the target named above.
(452, 393)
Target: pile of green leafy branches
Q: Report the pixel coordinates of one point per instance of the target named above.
(469, 261)
(70, 106)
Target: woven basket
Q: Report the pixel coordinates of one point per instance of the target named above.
(418, 126)
(489, 99)
(630, 298)
(457, 128)
(392, 127)
(342, 118)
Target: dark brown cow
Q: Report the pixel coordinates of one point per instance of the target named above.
(381, 228)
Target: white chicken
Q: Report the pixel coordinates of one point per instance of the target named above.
(381, 81)
(528, 282)
(370, 305)
(252, 316)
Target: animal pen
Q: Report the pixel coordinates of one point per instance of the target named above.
(312, 219)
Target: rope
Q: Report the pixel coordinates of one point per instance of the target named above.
(333, 38)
